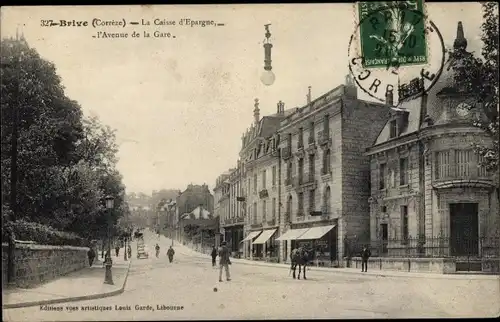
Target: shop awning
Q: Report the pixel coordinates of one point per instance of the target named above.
(292, 234)
(266, 234)
(316, 232)
(252, 235)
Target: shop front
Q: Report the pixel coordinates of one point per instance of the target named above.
(287, 239)
(248, 250)
(234, 236)
(322, 241)
(265, 246)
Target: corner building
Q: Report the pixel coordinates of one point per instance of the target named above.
(326, 174)
(430, 197)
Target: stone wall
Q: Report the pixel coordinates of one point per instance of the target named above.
(35, 264)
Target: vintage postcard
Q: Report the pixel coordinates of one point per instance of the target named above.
(250, 161)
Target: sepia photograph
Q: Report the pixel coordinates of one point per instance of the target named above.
(250, 161)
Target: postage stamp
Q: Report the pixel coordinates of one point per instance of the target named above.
(392, 32)
(389, 50)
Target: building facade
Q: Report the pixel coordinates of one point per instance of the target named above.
(326, 172)
(233, 224)
(429, 195)
(260, 181)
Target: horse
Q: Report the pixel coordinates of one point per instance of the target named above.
(299, 256)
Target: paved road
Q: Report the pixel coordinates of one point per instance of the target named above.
(258, 292)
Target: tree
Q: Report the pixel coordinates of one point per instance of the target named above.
(66, 162)
(478, 77)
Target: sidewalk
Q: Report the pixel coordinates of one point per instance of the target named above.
(85, 284)
(379, 273)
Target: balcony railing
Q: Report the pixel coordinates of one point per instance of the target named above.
(271, 222)
(310, 140)
(263, 194)
(288, 181)
(324, 137)
(300, 144)
(286, 153)
(326, 170)
(256, 225)
(287, 217)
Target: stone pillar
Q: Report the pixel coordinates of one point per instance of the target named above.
(341, 232)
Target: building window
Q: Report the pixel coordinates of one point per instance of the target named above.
(326, 201)
(443, 161)
(300, 142)
(382, 175)
(403, 171)
(274, 176)
(254, 212)
(274, 208)
(326, 161)
(289, 171)
(482, 172)
(301, 204)
(404, 224)
(326, 125)
(463, 159)
(289, 206)
(311, 200)
(264, 179)
(301, 170)
(311, 167)
(254, 183)
(311, 133)
(264, 210)
(393, 131)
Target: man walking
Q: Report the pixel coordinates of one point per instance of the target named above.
(214, 255)
(365, 255)
(91, 255)
(224, 261)
(170, 254)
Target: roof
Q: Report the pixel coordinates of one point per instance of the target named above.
(417, 108)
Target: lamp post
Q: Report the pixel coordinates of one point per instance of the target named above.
(108, 278)
(125, 247)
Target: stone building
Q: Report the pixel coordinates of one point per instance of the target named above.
(429, 196)
(326, 174)
(221, 199)
(234, 224)
(194, 196)
(260, 179)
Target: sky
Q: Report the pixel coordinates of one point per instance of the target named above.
(180, 105)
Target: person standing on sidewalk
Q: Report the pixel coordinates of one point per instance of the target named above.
(117, 250)
(170, 254)
(224, 261)
(91, 255)
(214, 255)
(365, 255)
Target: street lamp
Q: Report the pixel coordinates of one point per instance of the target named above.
(267, 77)
(108, 278)
(125, 247)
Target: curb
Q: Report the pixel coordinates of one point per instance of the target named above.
(72, 299)
(456, 276)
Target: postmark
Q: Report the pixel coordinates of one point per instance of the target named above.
(395, 51)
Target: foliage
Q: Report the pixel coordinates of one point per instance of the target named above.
(41, 234)
(66, 162)
(478, 77)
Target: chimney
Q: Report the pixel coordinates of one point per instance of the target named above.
(389, 99)
(350, 88)
(308, 95)
(281, 107)
(256, 111)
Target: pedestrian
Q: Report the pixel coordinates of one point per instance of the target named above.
(91, 255)
(224, 261)
(129, 251)
(117, 250)
(365, 255)
(170, 254)
(157, 248)
(214, 255)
